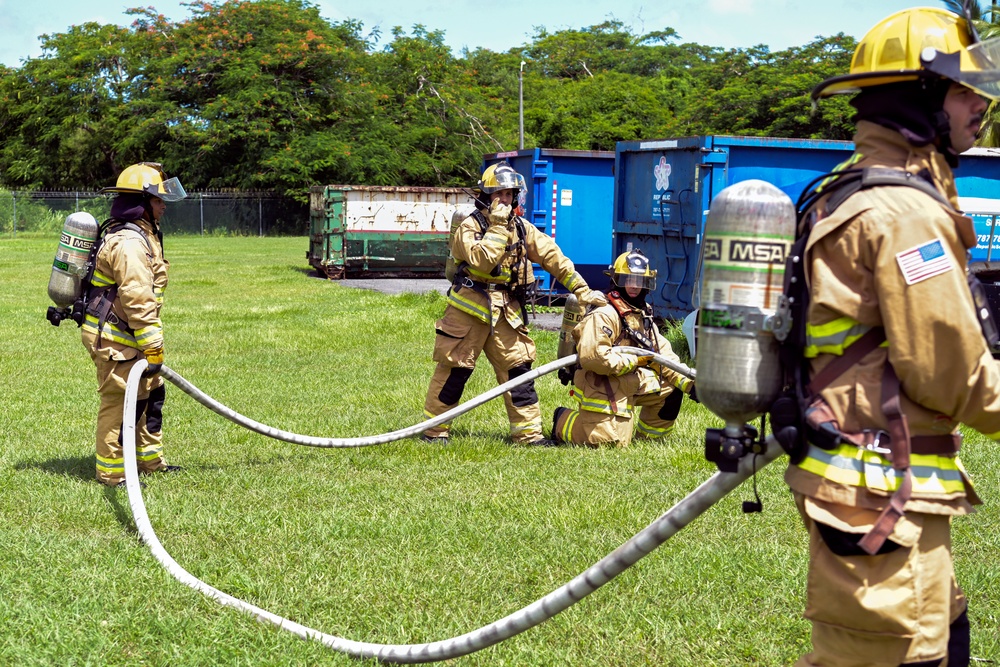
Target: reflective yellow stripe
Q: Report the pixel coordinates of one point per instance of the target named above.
(468, 307)
(572, 281)
(629, 367)
(517, 428)
(430, 415)
(145, 333)
(651, 431)
(496, 239)
(502, 279)
(855, 466)
(148, 453)
(101, 280)
(596, 404)
(110, 332)
(849, 162)
(566, 433)
(833, 337)
(110, 465)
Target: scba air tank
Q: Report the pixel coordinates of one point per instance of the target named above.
(748, 234)
(69, 268)
(573, 312)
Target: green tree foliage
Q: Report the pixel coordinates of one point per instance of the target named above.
(756, 92)
(67, 117)
(261, 94)
(266, 94)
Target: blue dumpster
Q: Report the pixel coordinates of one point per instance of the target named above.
(663, 189)
(569, 197)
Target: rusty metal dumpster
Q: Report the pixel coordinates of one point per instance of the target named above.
(381, 231)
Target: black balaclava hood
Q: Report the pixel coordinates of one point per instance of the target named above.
(129, 207)
(915, 109)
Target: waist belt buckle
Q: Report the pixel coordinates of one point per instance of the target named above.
(873, 446)
(467, 282)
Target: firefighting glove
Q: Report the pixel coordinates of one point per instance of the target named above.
(693, 395)
(499, 214)
(644, 360)
(154, 356)
(591, 297)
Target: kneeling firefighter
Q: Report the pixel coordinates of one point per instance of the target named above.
(609, 385)
(122, 324)
(890, 352)
(493, 250)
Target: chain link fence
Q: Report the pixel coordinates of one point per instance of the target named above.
(213, 213)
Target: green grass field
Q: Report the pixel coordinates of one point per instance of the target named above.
(398, 543)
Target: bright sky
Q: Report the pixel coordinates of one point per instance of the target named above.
(468, 23)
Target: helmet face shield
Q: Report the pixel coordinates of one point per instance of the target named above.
(631, 270)
(636, 281)
(501, 176)
(975, 67)
(169, 190)
(148, 178)
(509, 180)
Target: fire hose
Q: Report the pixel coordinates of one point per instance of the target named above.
(598, 574)
(311, 441)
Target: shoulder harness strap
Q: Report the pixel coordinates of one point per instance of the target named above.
(99, 300)
(623, 308)
(900, 443)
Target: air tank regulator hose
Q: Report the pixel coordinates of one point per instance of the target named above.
(598, 574)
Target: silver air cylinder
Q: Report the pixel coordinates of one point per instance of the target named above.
(70, 265)
(748, 234)
(573, 312)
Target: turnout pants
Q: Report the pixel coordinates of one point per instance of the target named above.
(112, 374)
(657, 415)
(459, 341)
(901, 606)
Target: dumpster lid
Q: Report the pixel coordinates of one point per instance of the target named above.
(979, 205)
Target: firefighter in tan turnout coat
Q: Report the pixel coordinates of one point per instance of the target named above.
(494, 250)
(123, 324)
(889, 300)
(610, 386)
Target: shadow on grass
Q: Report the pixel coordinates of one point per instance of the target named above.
(117, 498)
(82, 468)
(79, 467)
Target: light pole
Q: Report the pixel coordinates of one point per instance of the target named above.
(520, 107)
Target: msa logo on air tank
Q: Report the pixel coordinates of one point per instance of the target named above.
(745, 251)
(756, 252)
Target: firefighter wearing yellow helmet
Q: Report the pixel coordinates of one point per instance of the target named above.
(893, 324)
(494, 249)
(609, 387)
(122, 323)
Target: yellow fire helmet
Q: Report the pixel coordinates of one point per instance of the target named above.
(916, 43)
(148, 178)
(631, 269)
(500, 176)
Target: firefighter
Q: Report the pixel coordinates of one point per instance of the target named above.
(887, 272)
(494, 250)
(609, 385)
(122, 323)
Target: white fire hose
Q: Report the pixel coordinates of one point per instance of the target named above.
(311, 441)
(629, 553)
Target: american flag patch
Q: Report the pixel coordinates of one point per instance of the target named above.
(924, 261)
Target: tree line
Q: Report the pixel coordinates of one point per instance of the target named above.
(268, 95)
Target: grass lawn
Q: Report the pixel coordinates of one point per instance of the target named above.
(397, 543)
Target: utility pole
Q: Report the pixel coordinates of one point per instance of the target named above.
(520, 107)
